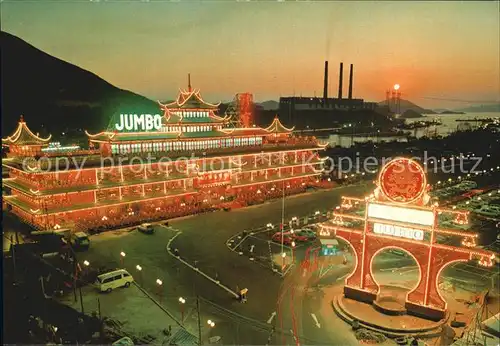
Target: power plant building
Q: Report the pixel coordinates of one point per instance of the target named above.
(291, 104)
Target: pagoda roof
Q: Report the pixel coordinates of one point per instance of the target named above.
(189, 99)
(171, 118)
(277, 127)
(24, 136)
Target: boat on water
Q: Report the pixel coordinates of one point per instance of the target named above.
(482, 120)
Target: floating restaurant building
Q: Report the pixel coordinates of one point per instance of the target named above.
(146, 167)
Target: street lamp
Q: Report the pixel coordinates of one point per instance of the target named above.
(159, 283)
(211, 323)
(182, 301)
(139, 268)
(283, 255)
(122, 257)
(86, 263)
(293, 248)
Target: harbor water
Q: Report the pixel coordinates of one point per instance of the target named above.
(448, 124)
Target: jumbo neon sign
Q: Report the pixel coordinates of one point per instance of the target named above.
(142, 122)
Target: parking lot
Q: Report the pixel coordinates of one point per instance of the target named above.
(259, 246)
(125, 309)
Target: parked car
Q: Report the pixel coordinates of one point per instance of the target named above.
(297, 236)
(287, 239)
(114, 279)
(80, 241)
(488, 210)
(146, 228)
(306, 232)
(468, 184)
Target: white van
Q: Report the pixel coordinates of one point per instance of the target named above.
(118, 278)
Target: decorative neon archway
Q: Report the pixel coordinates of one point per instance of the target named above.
(397, 214)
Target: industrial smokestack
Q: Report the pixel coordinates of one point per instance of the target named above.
(341, 75)
(325, 83)
(350, 82)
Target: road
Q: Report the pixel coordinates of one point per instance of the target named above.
(203, 241)
(203, 244)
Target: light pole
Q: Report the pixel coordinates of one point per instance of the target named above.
(317, 213)
(211, 324)
(293, 248)
(139, 268)
(122, 258)
(159, 283)
(182, 301)
(283, 255)
(282, 226)
(86, 265)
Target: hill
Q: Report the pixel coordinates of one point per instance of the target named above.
(408, 105)
(55, 96)
(495, 107)
(409, 114)
(269, 105)
(451, 112)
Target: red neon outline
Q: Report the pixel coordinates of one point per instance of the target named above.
(355, 256)
(437, 281)
(409, 253)
(410, 162)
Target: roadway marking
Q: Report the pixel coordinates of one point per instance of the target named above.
(321, 273)
(215, 281)
(342, 277)
(408, 271)
(271, 318)
(315, 320)
(397, 268)
(242, 240)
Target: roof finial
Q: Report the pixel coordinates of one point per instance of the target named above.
(189, 82)
(21, 119)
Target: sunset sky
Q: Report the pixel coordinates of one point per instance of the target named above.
(446, 50)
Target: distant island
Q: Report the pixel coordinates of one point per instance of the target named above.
(405, 105)
(451, 112)
(488, 108)
(410, 114)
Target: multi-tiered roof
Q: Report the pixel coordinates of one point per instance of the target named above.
(23, 142)
(23, 136)
(189, 117)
